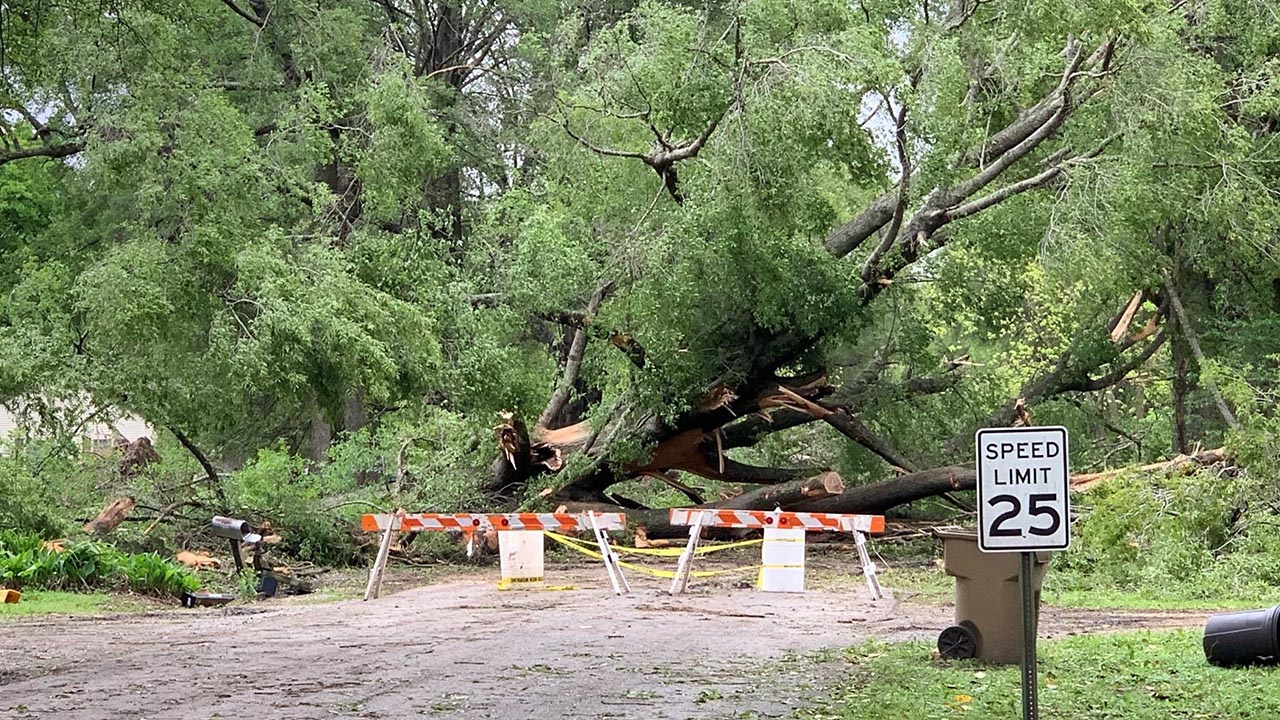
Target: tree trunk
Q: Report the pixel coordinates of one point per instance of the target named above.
(1181, 357)
(887, 494)
(319, 436)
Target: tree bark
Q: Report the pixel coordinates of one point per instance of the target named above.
(1181, 359)
(1194, 343)
(887, 494)
(1204, 458)
(111, 516)
(319, 436)
(788, 494)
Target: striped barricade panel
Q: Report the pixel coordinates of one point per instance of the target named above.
(833, 522)
(558, 521)
(459, 522)
(425, 522)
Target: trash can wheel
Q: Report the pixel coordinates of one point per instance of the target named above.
(958, 642)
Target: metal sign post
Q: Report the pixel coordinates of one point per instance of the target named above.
(1030, 683)
(1024, 507)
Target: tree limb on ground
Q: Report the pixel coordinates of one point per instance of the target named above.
(1203, 458)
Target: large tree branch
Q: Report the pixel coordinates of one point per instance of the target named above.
(239, 11)
(210, 473)
(620, 339)
(1002, 149)
(846, 423)
(850, 236)
(1065, 377)
(573, 361)
(890, 236)
(1190, 335)
(1120, 372)
(663, 161)
(749, 430)
(1038, 180)
(737, 472)
(55, 151)
(887, 494)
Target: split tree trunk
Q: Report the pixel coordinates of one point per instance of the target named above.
(111, 516)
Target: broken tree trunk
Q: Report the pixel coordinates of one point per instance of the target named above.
(787, 495)
(111, 516)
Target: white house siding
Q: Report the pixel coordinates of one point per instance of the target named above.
(7, 422)
(95, 435)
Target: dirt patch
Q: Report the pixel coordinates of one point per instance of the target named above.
(461, 648)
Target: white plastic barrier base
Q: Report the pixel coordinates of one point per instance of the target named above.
(520, 554)
(782, 561)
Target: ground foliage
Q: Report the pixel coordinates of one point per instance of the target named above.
(1126, 675)
(26, 561)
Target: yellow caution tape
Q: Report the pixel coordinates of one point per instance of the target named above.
(508, 585)
(661, 552)
(567, 542)
(516, 581)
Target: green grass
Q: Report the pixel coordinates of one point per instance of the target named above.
(1070, 590)
(1134, 676)
(919, 583)
(1115, 599)
(56, 602)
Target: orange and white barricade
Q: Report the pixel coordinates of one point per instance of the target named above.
(519, 540)
(782, 561)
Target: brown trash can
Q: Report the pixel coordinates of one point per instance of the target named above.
(988, 599)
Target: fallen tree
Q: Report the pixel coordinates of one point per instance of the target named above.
(754, 395)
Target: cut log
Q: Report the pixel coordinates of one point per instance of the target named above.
(111, 516)
(642, 540)
(1203, 458)
(787, 495)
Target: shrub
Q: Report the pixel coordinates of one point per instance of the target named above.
(1207, 534)
(276, 487)
(26, 563)
(152, 574)
(25, 501)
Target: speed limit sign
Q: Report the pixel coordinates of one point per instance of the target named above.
(1022, 489)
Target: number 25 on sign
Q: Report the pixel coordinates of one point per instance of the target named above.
(1023, 498)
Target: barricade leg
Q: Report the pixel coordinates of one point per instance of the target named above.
(681, 580)
(868, 567)
(611, 566)
(380, 562)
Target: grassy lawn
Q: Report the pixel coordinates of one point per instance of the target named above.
(1136, 676)
(50, 602)
(926, 583)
